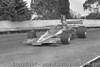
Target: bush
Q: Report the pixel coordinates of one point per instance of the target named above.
(93, 16)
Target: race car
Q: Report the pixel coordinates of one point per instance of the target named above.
(58, 34)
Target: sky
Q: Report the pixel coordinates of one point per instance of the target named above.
(76, 5)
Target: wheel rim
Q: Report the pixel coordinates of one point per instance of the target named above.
(69, 39)
(85, 33)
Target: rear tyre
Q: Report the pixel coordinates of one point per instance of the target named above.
(65, 37)
(73, 32)
(31, 34)
(81, 32)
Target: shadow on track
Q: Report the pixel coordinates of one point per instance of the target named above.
(43, 45)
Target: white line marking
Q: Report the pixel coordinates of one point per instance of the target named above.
(90, 61)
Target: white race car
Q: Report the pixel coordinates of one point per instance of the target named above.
(57, 34)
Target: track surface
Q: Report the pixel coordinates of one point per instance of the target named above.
(15, 54)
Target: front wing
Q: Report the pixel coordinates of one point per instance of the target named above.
(34, 41)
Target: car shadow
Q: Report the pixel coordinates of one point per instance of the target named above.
(44, 45)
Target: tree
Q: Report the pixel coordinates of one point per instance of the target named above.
(74, 14)
(64, 9)
(64, 6)
(92, 5)
(83, 17)
(47, 8)
(14, 10)
(51, 9)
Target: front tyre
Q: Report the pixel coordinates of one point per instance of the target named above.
(65, 37)
(31, 34)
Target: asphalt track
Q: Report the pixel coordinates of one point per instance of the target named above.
(13, 53)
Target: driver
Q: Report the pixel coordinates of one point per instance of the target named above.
(55, 29)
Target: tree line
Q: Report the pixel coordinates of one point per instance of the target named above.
(50, 9)
(16, 10)
(94, 7)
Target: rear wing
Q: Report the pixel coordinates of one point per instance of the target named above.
(75, 22)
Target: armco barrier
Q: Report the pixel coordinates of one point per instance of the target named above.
(26, 25)
(40, 23)
(91, 23)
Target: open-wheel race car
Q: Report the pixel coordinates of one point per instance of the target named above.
(58, 34)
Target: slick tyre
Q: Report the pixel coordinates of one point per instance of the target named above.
(65, 37)
(73, 32)
(81, 32)
(31, 34)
